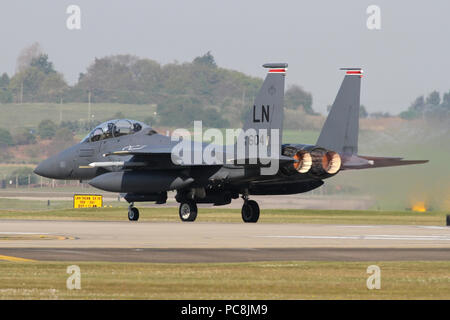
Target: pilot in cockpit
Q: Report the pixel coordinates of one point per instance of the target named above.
(137, 127)
(109, 131)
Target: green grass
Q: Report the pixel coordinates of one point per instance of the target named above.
(117, 211)
(300, 136)
(7, 169)
(260, 280)
(12, 205)
(69, 189)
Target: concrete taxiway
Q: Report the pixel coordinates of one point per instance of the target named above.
(218, 242)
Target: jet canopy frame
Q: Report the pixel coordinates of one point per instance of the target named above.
(114, 128)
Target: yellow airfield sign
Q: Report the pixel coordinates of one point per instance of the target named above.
(87, 201)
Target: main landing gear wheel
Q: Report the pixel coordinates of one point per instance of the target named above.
(188, 211)
(250, 211)
(133, 214)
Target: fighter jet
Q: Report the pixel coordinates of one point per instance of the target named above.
(131, 158)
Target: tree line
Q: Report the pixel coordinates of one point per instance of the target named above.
(430, 107)
(46, 129)
(180, 91)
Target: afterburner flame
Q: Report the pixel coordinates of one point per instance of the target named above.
(419, 207)
(304, 161)
(331, 162)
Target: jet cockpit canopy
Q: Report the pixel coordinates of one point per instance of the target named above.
(114, 128)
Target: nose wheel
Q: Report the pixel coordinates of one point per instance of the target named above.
(188, 211)
(250, 210)
(133, 213)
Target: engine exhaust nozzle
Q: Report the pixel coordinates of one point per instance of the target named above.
(331, 162)
(304, 163)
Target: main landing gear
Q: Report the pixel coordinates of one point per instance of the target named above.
(250, 210)
(133, 213)
(188, 211)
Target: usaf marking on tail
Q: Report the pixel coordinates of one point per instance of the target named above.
(265, 114)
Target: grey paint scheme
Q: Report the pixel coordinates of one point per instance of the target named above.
(131, 181)
(148, 168)
(340, 131)
(267, 109)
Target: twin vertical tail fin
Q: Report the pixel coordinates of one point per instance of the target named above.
(267, 111)
(341, 128)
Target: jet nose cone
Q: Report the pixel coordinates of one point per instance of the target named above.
(59, 166)
(45, 169)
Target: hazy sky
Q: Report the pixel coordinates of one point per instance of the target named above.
(408, 57)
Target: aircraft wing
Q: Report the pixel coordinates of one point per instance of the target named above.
(367, 162)
(141, 155)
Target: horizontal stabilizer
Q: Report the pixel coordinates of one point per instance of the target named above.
(367, 162)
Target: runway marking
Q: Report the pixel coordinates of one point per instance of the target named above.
(20, 233)
(368, 237)
(435, 227)
(11, 236)
(16, 259)
(358, 226)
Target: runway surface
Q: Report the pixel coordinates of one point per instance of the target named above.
(218, 242)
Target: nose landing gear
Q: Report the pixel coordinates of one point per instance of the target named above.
(133, 213)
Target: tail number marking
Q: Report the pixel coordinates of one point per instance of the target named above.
(256, 139)
(265, 114)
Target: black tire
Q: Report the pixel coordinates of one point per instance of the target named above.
(448, 220)
(255, 207)
(188, 211)
(133, 214)
(250, 211)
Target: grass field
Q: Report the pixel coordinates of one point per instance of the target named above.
(261, 280)
(7, 168)
(117, 211)
(300, 136)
